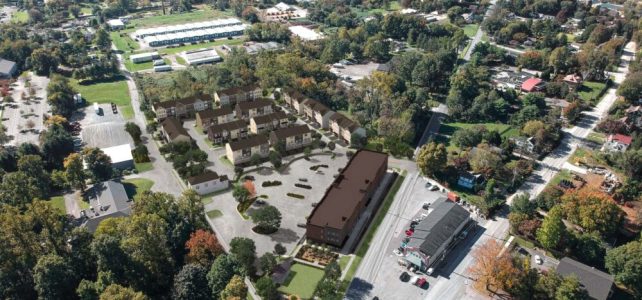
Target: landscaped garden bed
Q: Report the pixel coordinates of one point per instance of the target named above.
(270, 183)
(316, 167)
(316, 254)
(303, 186)
(293, 195)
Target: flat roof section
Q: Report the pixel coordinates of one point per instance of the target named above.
(119, 153)
(345, 193)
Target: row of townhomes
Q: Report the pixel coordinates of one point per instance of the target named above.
(293, 138)
(340, 125)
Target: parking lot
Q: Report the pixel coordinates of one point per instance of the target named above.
(104, 130)
(293, 210)
(384, 281)
(23, 117)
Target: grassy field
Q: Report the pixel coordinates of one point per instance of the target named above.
(561, 175)
(362, 13)
(123, 43)
(302, 281)
(343, 261)
(470, 30)
(590, 91)
(20, 17)
(214, 213)
(203, 14)
(136, 186)
(58, 202)
(232, 42)
(115, 91)
(144, 167)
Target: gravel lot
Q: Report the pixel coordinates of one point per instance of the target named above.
(17, 115)
(105, 130)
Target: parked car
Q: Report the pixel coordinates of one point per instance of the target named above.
(538, 260)
(397, 252)
(426, 205)
(434, 188)
(259, 202)
(418, 281)
(428, 185)
(404, 277)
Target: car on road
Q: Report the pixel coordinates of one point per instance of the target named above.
(538, 260)
(404, 277)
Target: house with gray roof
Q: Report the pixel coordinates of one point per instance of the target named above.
(446, 224)
(110, 201)
(598, 284)
(7, 68)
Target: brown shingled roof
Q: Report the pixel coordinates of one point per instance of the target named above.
(291, 131)
(279, 115)
(229, 126)
(343, 196)
(344, 122)
(317, 106)
(173, 128)
(184, 101)
(213, 113)
(294, 94)
(238, 90)
(249, 142)
(205, 177)
(247, 105)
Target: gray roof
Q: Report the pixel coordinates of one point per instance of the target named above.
(110, 201)
(6, 66)
(597, 283)
(439, 226)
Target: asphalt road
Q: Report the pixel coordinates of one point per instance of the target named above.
(479, 33)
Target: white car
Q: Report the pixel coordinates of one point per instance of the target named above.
(538, 260)
(397, 252)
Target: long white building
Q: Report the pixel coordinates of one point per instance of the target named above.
(195, 35)
(142, 33)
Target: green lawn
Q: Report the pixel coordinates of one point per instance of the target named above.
(114, 90)
(58, 202)
(204, 14)
(589, 91)
(187, 47)
(20, 17)
(214, 213)
(123, 43)
(596, 137)
(343, 261)
(180, 60)
(136, 186)
(144, 167)
(302, 281)
(561, 175)
(470, 30)
(448, 129)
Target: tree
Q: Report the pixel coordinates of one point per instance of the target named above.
(98, 163)
(44, 61)
(17, 189)
(134, 131)
(244, 250)
(53, 278)
(279, 249)
(75, 171)
(593, 211)
(553, 229)
(191, 283)
(571, 288)
(267, 262)
(235, 289)
(523, 204)
(377, 48)
(34, 168)
(102, 40)
(492, 272)
(266, 288)
(118, 292)
(60, 96)
(631, 87)
(275, 159)
(203, 248)
(57, 143)
(255, 160)
(267, 219)
(307, 151)
(240, 193)
(484, 160)
(624, 262)
(223, 269)
(432, 157)
(140, 154)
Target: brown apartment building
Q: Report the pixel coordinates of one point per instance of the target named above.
(235, 95)
(210, 117)
(182, 108)
(333, 219)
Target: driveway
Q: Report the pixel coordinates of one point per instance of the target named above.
(293, 210)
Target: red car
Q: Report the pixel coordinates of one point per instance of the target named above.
(409, 232)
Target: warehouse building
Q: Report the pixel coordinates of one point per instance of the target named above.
(194, 35)
(333, 219)
(144, 57)
(201, 56)
(143, 33)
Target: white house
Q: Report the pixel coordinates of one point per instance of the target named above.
(116, 24)
(208, 182)
(617, 143)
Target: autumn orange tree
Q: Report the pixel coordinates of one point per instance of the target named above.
(593, 211)
(494, 271)
(203, 247)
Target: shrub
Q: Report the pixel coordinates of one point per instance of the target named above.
(270, 183)
(332, 145)
(303, 186)
(316, 167)
(293, 195)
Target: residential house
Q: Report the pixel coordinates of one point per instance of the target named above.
(208, 182)
(317, 112)
(269, 122)
(209, 117)
(617, 143)
(294, 137)
(173, 131)
(7, 68)
(598, 284)
(333, 219)
(344, 128)
(294, 99)
(573, 80)
(524, 145)
(633, 116)
(248, 110)
(109, 201)
(234, 95)
(533, 84)
(470, 181)
(241, 151)
(182, 108)
(227, 131)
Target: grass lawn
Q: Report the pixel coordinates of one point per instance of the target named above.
(132, 67)
(226, 161)
(523, 243)
(58, 202)
(561, 175)
(104, 92)
(203, 14)
(302, 281)
(596, 137)
(21, 16)
(136, 186)
(123, 43)
(589, 91)
(343, 261)
(449, 129)
(180, 60)
(143, 167)
(232, 42)
(470, 30)
(214, 213)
